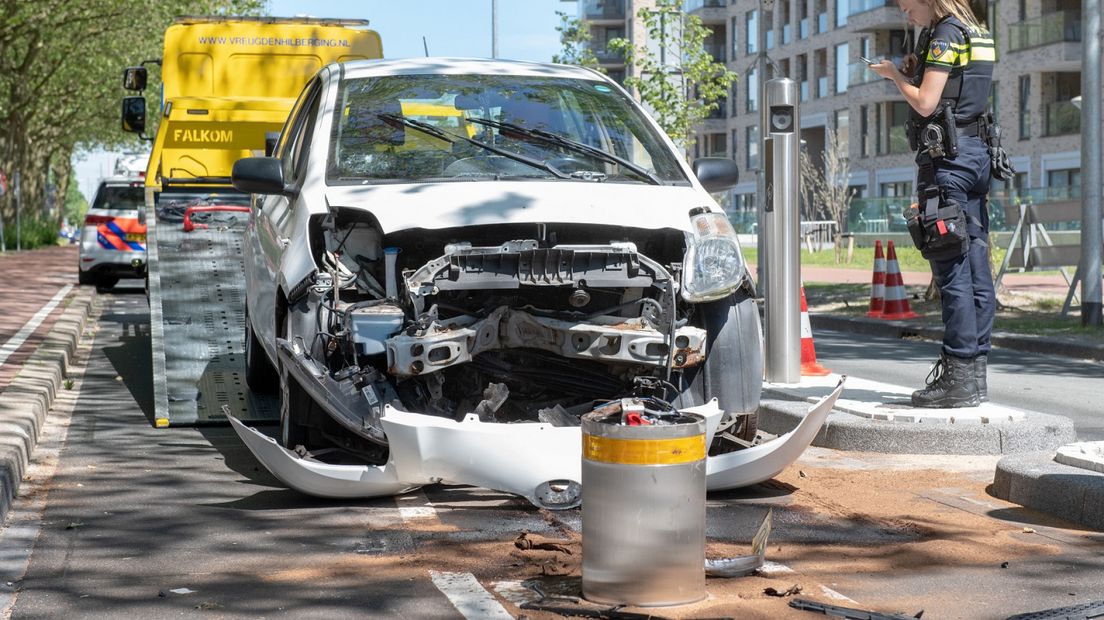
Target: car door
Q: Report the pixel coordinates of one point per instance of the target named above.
(270, 229)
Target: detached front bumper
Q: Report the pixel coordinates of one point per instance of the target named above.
(539, 462)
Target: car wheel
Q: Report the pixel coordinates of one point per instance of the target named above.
(295, 404)
(260, 375)
(733, 368)
(86, 277)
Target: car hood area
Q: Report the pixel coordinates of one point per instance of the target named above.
(473, 203)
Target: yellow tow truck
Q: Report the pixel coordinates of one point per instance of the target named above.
(228, 85)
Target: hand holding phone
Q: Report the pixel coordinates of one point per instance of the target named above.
(868, 61)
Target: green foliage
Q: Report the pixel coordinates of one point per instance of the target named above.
(575, 42)
(37, 231)
(75, 204)
(676, 77)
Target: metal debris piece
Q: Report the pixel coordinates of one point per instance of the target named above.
(744, 564)
(794, 589)
(848, 613)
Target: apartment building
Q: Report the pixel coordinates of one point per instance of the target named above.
(817, 43)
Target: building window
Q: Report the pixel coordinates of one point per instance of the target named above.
(896, 189)
(879, 130)
(898, 138)
(842, 8)
(735, 38)
(842, 57)
(752, 95)
(1025, 107)
(1064, 184)
(803, 76)
(768, 19)
(735, 148)
(751, 146)
(803, 19)
(716, 145)
(751, 31)
(821, 16)
(843, 132)
(787, 17)
(734, 98)
(864, 132)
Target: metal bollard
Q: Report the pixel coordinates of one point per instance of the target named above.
(643, 510)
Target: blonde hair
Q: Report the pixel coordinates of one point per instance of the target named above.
(958, 8)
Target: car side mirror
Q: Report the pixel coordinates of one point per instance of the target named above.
(716, 173)
(134, 114)
(134, 78)
(259, 175)
(271, 138)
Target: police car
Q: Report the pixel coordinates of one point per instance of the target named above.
(113, 239)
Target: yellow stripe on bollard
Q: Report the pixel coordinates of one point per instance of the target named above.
(643, 451)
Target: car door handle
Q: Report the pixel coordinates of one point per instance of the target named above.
(283, 242)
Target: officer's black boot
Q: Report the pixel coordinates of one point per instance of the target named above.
(951, 383)
(980, 363)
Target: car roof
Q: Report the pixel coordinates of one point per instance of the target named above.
(454, 66)
(120, 181)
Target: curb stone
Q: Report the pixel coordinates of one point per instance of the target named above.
(28, 397)
(844, 431)
(903, 329)
(1035, 480)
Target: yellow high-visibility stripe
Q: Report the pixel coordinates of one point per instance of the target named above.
(643, 451)
(985, 54)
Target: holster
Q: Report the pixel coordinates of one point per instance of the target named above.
(937, 224)
(1000, 167)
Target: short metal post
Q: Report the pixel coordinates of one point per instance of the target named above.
(781, 228)
(18, 206)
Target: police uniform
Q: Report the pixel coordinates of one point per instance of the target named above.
(961, 170)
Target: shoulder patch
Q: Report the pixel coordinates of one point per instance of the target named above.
(937, 48)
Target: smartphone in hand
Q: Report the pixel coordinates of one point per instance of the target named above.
(868, 61)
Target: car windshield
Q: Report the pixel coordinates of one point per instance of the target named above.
(120, 197)
(427, 127)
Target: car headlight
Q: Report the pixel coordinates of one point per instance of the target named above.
(713, 267)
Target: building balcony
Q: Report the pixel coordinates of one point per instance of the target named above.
(709, 11)
(716, 50)
(803, 28)
(1054, 41)
(1062, 118)
(607, 56)
(859, 73)
(822, 87)
(871, 15)
(604, 10)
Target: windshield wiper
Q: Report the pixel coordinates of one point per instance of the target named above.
(451, 138)
(546, 137)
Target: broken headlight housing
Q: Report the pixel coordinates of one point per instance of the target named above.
(713, 267)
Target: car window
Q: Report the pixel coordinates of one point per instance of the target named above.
(291, 152)
(120, 197)
(369, 143)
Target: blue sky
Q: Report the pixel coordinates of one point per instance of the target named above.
(526, 31)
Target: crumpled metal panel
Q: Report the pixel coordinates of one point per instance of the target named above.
(516, 458)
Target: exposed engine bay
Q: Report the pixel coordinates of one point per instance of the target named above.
(511, 323)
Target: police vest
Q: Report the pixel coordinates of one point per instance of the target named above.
(968, 55)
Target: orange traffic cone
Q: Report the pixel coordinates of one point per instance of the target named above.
(896, 299)
(809, 365)
(877, 285)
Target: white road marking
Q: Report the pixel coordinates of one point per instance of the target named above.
(832, 594)
(16, 341)
(469, 597)
(421, 510)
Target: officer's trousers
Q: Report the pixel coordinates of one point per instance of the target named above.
(966, 283)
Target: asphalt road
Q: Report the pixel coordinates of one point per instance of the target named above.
(1042, 383)
(148, 523)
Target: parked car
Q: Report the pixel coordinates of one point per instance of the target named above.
(441, 296)
(113, 239)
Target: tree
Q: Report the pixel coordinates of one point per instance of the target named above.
(575, 39)
(60, 86)
(826, 191)
(677, 78)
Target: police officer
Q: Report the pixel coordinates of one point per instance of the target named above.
(948, 91)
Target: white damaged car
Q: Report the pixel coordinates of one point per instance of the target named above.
(450, 261)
